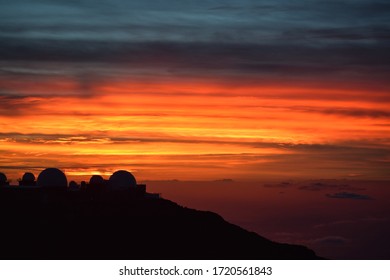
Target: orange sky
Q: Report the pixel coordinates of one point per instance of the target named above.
(191, 128)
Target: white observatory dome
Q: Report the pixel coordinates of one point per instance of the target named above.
(28, 177)
(52, 178)
(96, 180)
(122, 180)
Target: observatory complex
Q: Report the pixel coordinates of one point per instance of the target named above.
(54, 180)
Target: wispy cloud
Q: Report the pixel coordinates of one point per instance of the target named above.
(330, 240)
(349, 195)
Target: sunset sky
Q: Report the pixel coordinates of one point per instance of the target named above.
(196, 90)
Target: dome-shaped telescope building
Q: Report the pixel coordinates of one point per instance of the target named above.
(3, 180)
(28, 179)
(96, 181)
(52, 178)
(96, 184)
(73, 186)
(122, 180)
(124, 183)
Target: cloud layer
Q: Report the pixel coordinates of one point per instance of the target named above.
(217, 88)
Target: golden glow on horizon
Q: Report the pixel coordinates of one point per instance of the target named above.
(184, 119)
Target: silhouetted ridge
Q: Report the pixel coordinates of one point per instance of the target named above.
(37, 224)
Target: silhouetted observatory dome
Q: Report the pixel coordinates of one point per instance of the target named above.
(122, 180)
(96, 180)
(52, 178)
(3, 178)
(73, 186)
(28, 177)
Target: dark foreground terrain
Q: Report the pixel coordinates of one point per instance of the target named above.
(36, 224)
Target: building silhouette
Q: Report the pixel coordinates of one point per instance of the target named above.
(122, 180)
(27, 180)
(54, 181)
(52, 178)
(3, 180)
(73, 186)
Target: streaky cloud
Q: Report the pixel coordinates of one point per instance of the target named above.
(349, 195)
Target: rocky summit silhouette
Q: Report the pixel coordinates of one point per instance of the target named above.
(41, 224)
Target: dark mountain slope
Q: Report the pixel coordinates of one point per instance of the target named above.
(36, 224)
